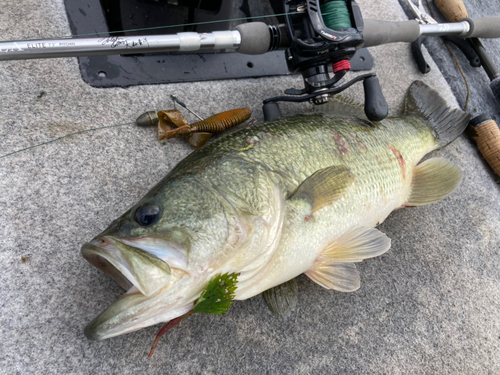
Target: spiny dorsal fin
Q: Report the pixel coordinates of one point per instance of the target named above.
(334, 268)
(432, 181)
(426, 102)
(282, 299)
(341, 105)
(324, 187)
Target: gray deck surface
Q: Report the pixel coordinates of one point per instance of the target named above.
(429, 305)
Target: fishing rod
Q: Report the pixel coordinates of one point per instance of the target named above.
(316, 35)
(485, 129)
(251, 38)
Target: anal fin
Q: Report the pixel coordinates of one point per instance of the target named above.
(343, 277)
(432, 181)
(335, 269)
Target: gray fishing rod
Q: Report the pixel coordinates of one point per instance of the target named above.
(314, 43)
(251, 38)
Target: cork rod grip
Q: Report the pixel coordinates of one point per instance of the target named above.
(488, 141)
(452, 10)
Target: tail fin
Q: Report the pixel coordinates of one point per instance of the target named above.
(447, 123)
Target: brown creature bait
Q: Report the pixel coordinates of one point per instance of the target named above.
(214, 124)
(172, 119)
(169, 120)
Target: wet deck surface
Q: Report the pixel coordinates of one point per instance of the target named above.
(429, 305)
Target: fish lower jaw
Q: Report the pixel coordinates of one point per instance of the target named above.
(99, 330)
(153, 295)
(134, 310)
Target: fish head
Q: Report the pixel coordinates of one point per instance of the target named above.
(163, 251)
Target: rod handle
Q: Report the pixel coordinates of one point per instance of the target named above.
(452, 10)
(485, 27)
(376, 33)
(255, 38)
(487, 137)
(455, 11)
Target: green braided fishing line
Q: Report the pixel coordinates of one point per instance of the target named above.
(336, 15)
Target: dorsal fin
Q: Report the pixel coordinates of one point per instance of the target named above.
(447, 123)
(342, 105)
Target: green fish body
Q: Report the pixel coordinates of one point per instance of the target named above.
(270, 202)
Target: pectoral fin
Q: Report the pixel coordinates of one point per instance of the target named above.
(282, 299)
(334, 268)
(324, 187)
(432, 181)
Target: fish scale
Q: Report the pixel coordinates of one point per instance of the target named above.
(297, 147)
(292, 149)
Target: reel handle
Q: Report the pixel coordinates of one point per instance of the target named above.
(376, 107)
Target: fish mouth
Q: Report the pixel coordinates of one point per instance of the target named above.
(127, 265)
(150, 284)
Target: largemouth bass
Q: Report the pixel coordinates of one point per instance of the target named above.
(270, 202)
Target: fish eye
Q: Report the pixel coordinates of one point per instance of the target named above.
(146, 214)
